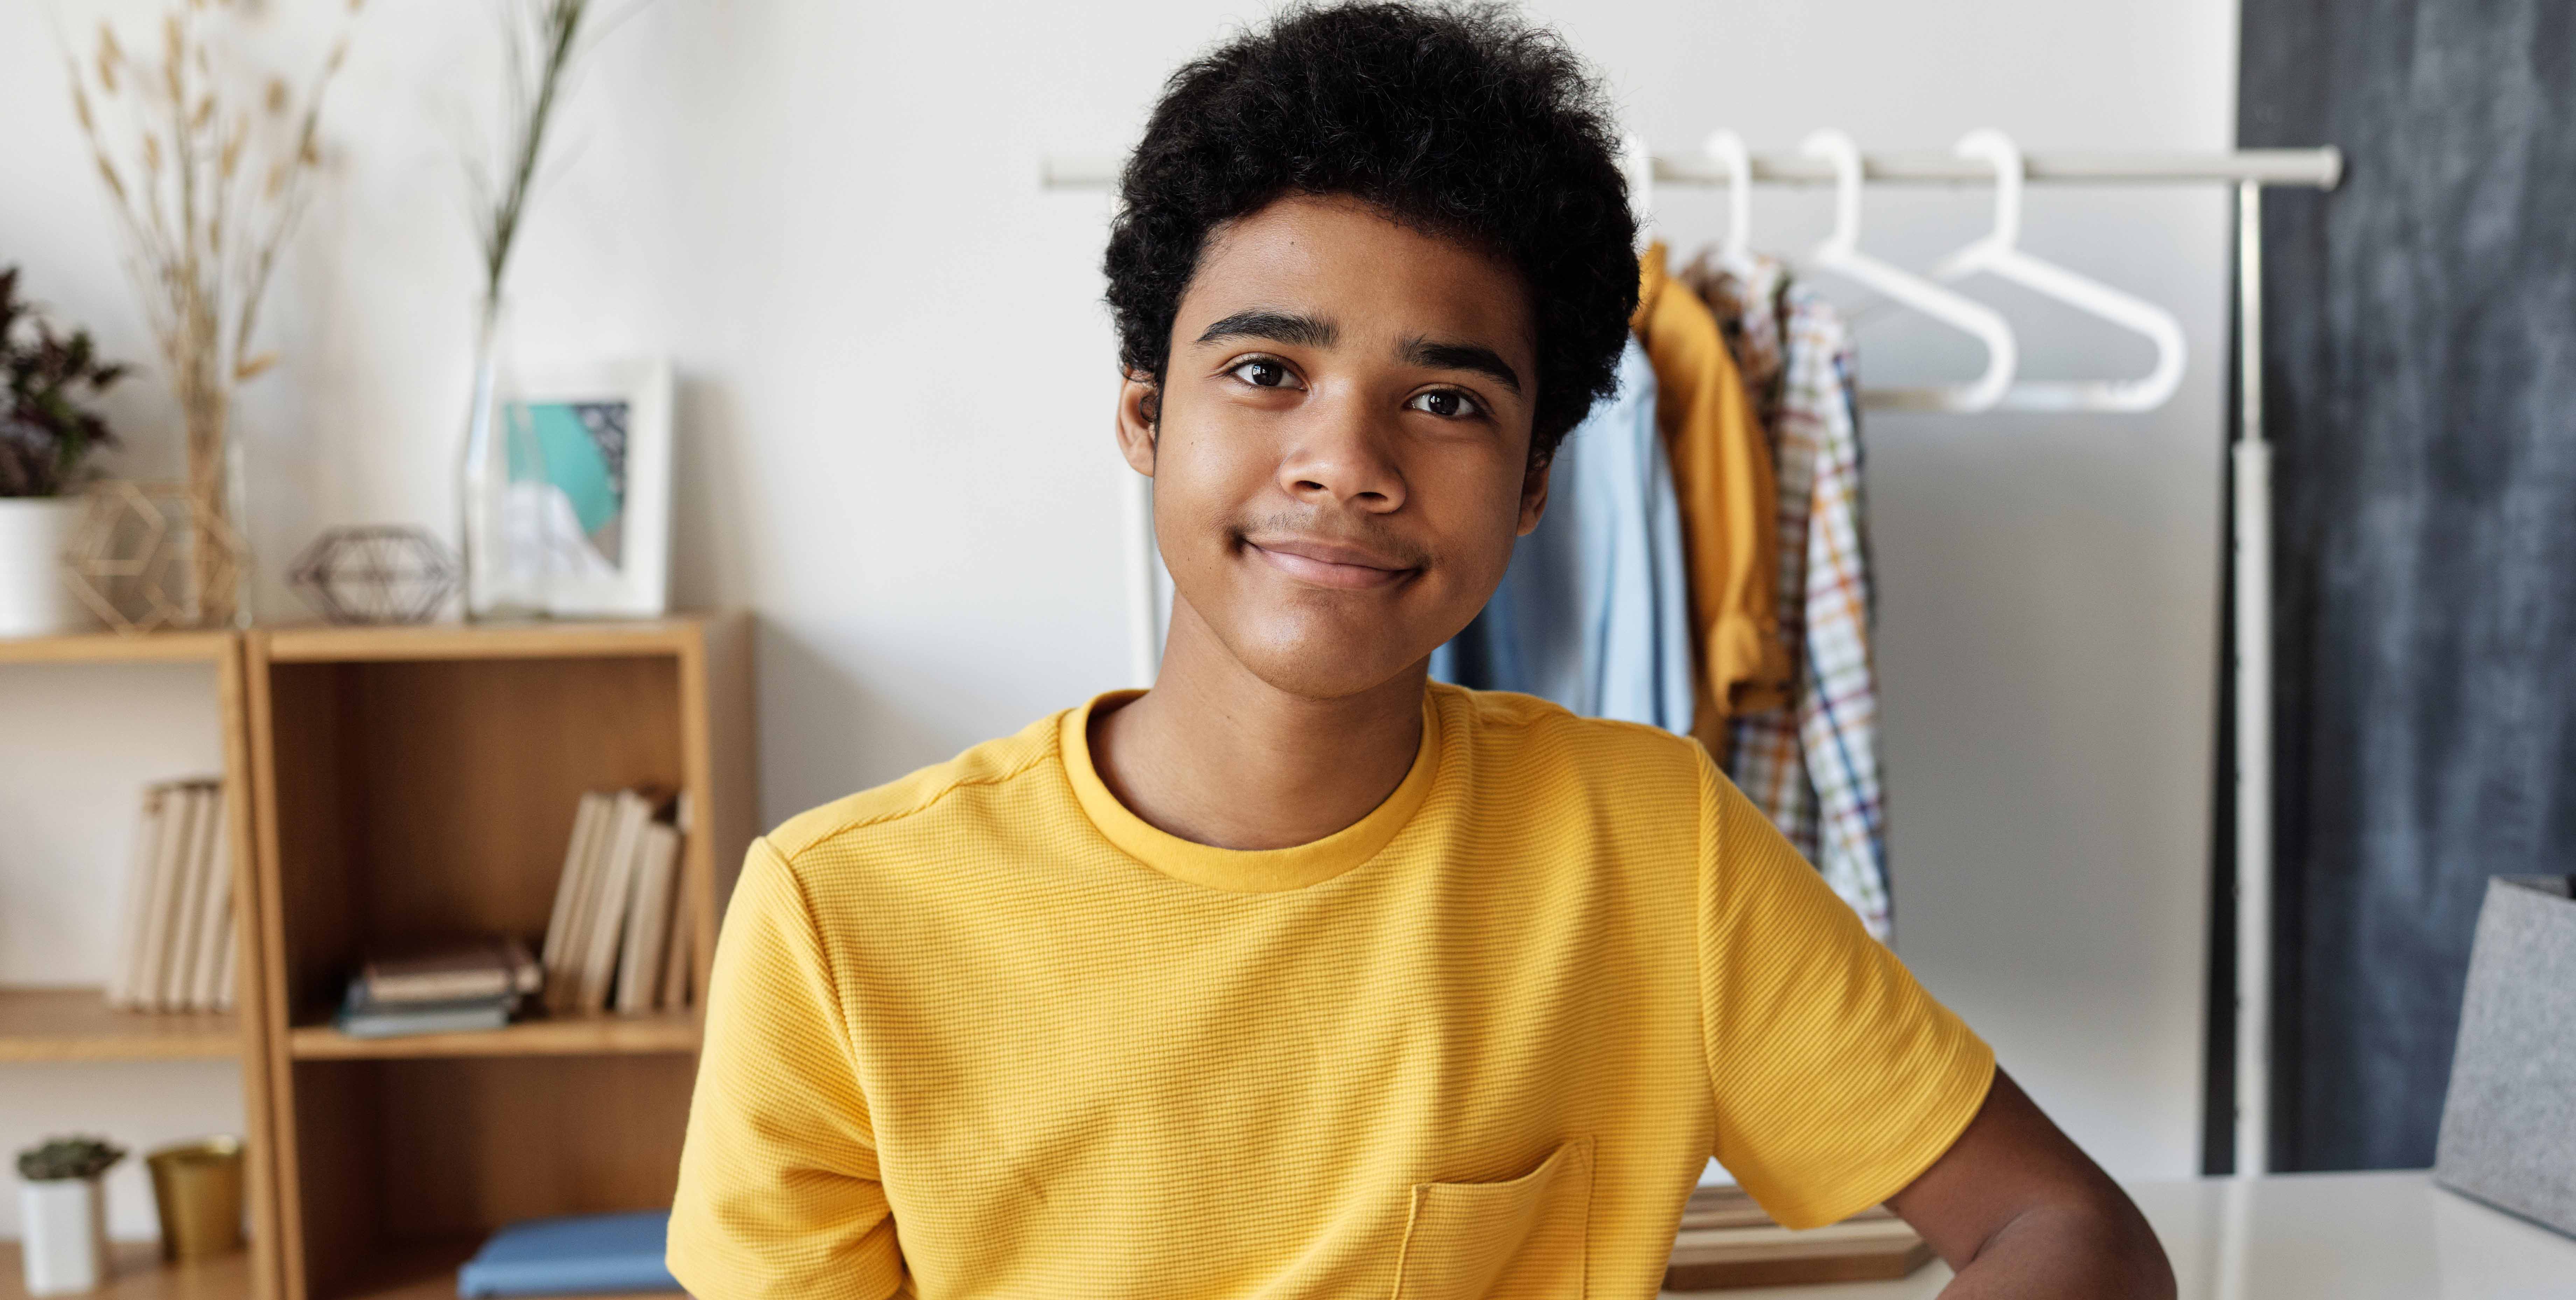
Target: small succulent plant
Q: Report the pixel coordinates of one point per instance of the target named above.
(65, 1158)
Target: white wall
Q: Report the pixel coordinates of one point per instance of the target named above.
(895, 400)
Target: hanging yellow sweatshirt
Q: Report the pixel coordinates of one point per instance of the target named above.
(983, 1032)
(1721, 461)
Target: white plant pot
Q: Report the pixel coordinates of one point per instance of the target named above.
(63, 1224)
(34, 599)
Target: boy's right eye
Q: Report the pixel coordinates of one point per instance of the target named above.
(1261, 372)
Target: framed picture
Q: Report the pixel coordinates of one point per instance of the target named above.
(576, 519)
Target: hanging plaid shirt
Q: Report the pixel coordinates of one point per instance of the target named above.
(1838, 699)
(1813, 765)
(1748, 314)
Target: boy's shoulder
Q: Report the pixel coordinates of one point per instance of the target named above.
(1508, 727)
(1528, 758)
(993, 764)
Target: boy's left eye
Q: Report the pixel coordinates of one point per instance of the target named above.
(1447, 403)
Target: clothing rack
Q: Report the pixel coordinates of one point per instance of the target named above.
(2250, 507)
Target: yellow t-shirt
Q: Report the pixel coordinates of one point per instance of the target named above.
(984, 1032)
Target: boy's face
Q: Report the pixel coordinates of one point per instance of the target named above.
(1341, 459)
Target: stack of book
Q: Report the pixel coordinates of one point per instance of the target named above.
(618, 940)
(1727, 1241)
(450, 990)
(175, 947)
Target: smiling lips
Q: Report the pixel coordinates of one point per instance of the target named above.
(1329, 564)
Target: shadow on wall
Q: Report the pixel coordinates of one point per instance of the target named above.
(709, 495)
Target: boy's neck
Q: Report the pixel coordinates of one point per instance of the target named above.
(1217, 756)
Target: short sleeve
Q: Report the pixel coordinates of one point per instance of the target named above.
(1837, 1078)
(779, 1191)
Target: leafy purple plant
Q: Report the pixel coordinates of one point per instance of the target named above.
(46, 434)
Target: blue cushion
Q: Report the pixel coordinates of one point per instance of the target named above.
(581, 1254)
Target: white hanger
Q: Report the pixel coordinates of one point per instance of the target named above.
(1996, 254)
(1640, 167)
(1840, 253)
(1735, 252)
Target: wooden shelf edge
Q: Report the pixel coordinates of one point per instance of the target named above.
(117, 647)
(139, 1274)
(532, 639)
(674, 1033)
(76, 1024)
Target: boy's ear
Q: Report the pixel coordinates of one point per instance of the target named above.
(1534, 495)
(1140, 414)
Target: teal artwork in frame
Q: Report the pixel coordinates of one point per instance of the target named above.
(570, 514)
(579, 450)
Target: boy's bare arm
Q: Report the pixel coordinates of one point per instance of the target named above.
(2018, 1211)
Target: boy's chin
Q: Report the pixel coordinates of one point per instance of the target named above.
(1319, 666)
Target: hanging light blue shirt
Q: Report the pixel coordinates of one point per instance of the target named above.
(1594, 612)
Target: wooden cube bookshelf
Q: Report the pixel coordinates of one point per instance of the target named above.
(419, 782)
(59, 1024)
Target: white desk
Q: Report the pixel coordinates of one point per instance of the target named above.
(2309, 1237)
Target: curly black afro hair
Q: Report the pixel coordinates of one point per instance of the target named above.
(1460, 120)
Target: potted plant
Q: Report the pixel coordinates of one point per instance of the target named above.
(63, 1214)
(46, 437)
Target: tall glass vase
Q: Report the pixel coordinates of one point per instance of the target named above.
(505, 577)
(218, 559)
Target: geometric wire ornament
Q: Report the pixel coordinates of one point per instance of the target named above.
(375, 573)
(130, 556)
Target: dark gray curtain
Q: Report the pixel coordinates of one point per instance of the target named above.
(2420, 332)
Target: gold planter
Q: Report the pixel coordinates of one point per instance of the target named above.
(197, 1186)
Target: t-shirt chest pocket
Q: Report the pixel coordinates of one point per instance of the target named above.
(1522, 1237)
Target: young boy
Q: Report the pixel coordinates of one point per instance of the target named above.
(1299, 975)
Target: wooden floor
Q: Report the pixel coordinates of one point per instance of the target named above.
(140, 1275)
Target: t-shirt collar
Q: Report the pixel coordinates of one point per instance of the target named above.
(1243, 870)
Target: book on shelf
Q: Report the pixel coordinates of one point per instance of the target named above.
(673, 990)
(188, 932)
(176, 830)
(648, 918)
(614, 933)
(214, 915)
(138, 889)
(606, 920)
(361, 1017)
(455, 988)
(589, 822)
(176, 933)
(486, 968)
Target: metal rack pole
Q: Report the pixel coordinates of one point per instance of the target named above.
(2310, 168)
(2250, 528)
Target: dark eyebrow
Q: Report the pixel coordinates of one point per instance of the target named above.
(1277, 326)
(1462, 356)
